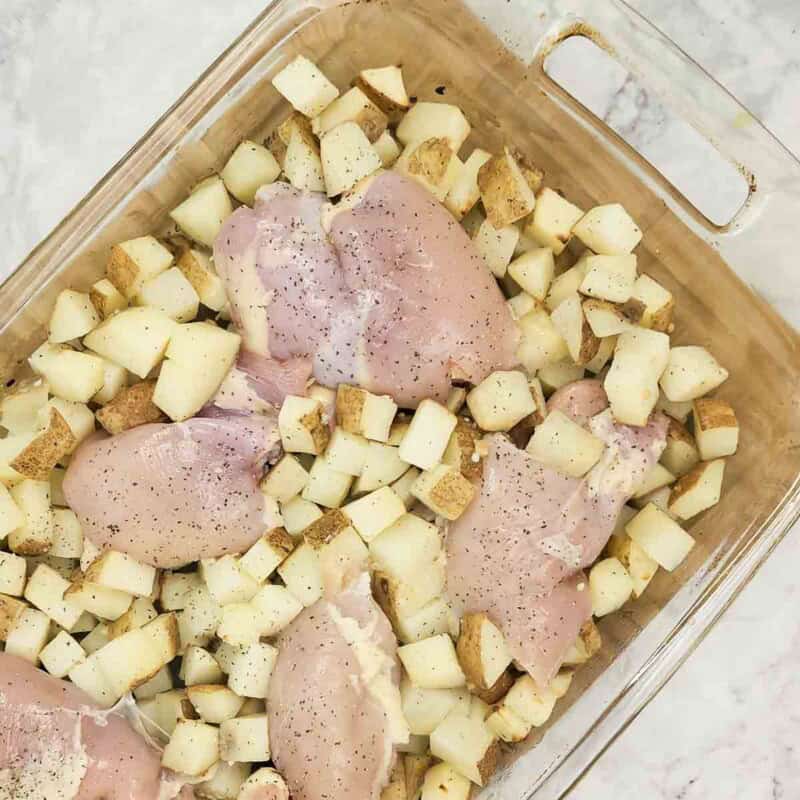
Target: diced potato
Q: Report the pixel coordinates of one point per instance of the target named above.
(87, 675)
(690, 373)
(239, 624)
(432, 663)
(530, 703)
(35, 535)
(405, 547)
(132, 407)
(465, 192)
(605, 319)
(424, 709)
(574, 328)
(347, 156)
(201, 215)
(301, 574)
(496, 245)
(443, 782)
(250, 167)
(434, 120)
(132, 263)
(226, 582)
(301, 426)
(482, 651)
(249, 669)
(655, 478)
(264, 777)
(534, 271)
(199, 356)
(468, 745)
(541, 343)
(640, 357)
(361, 412)
(658, 302)
(135, 338)
(298, 514)
(61, 654)
(346, 452)
(72, 376)
(115, 378)
(193, 748)
(74, 315)
(678, 410)
(464, 451)
(610, 277)
(79, 417)
(159, 683)
(340, 551)
(610, 586)
(326, 486)
(199, 667)
(245, 739)
(96, 638)
(12, 573)
(521, 304)
(175, 586)
(10, 610)
(199, 618)
(432, 163)
(214, 703)
(698, 490)
(171, 293)
(660, 537)
(20, 406)
(567, 284)
(106, 298)
(28, 635)
(432, 619)
(427, 437)
(120, 571)
(353, 106)
(46, 449)
(553, 220)
(387, 149)
(101, 601)
(303, 165)
(403, 600)
(554, 376)
(45, 590)
(276, 607)
(402, 486)
(264, 557)
(505, 193)
(374, 512)
(304, 85)
(716, 428)
(225, 783)
(197, 268)
(385, 87)
(500, 401)
(444, 490)
(506, 725)
(565, 446)
(639, 565)
(608, 230)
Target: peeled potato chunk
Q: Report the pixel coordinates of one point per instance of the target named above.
(553, 220)
(660, 537)
(250, 167)
(304, 85)
(564, 445)
(434, 120)
(201, 214)
(386, 88)
(501, 400)
(347, 157)
(690, 373)
(608, 230)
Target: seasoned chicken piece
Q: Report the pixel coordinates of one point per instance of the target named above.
(56, 743)
(169, 494)
(517, 551)
(394, 297)
(334, 700)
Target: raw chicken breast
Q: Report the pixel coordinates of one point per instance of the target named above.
(55, 744)
(168, 494)
(532, 528)
(334, 700)
(395, 298)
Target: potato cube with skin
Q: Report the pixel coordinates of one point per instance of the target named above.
(199, 667)
(71, 375)
(387, 149)
(340, 551)
(201, 215)
(347, 156)
(361, 412)
(690, 373)
(214, 703)
(640, 357)
(660, 537)
(276, 607)
(716, 428)
(553, 220)
(250, 167)
(506, 725)
(610, 586)
(540, 344)
(250, 669)
(301, 426)
(566, 284)
(500, 401)
(193, 748)
(432, 663)
(45, 590)
(12, 574)
(132, 263)
(403, 600)
(496, 245)
(74, 315)
(266, 555)
(444, 490)
(610, 277)
(285, 480)
(106, 298)
(79, 417)
(427, 436)
(245, 739)
(132, 407)
(46, 449)
(353, 106)
(29, 635)
(172, 294)
(61, 654)
(374, 512)
(505, 192)
(605, 319)
(197, 267)
(386, 88)
(10, 610)
(532, 704)
(468, 745)
(571, 323)
(464, 450)
(565, 446)
(534, 271)
(444, 782)
(304, 85)
(608, 230)
(432, 163)
(639, 565)
(698, 490)
(135, 338)
(430, 120)
(120, 571)
(658, 303)
(465, 192)
(301, 574)
(35, 535)
(298, 514)
(482, 651)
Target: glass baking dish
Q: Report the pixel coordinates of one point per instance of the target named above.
(730, 282)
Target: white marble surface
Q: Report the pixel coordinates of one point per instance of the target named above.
(81, 80)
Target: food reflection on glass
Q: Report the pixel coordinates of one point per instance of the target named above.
(319, 496)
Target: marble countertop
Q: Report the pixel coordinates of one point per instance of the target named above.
(727, 725)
